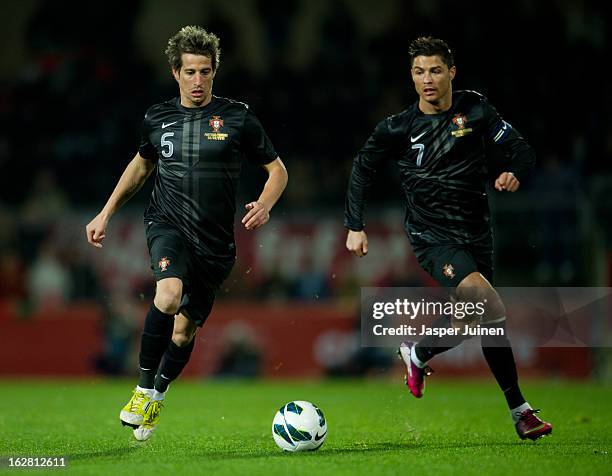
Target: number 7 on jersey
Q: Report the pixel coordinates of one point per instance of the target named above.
(421, 148)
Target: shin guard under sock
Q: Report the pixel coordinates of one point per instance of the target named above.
(156, 335)
(172, 365)
(500, 358)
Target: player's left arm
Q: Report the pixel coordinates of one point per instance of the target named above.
(258, 212)
(521, 154)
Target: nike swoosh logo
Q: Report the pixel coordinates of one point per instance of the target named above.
(414, 139)
(164, 125)
(320, 437)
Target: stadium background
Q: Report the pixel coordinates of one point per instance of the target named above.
(75, 83)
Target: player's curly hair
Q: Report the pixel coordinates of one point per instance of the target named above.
(195, 40)
(430, 46)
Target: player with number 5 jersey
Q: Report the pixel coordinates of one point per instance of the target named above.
(199, 153)
(197, 142)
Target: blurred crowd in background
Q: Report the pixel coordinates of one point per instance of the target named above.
(75, 83)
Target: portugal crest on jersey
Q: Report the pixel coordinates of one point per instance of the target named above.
(460, 120)
(216, 123)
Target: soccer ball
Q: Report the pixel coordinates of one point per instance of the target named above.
(299, 426)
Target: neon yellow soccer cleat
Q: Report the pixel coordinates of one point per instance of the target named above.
(132, 414)
(151, 419)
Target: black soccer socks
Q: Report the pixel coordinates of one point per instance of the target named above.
(500, 358)
(156, 336)
(172, 364)
(432, 345)
(495, 348)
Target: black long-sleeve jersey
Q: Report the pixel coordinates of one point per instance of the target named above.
(199, 153)
(443, 168)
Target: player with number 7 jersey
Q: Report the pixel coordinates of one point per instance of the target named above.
(443, 168)
(438, 144)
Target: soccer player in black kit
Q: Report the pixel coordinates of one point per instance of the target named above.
(438, 145)
(197, 141)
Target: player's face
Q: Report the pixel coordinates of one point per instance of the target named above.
(432, 78)
(195, 80)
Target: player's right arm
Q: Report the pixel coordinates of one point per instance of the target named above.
(376, 150)
(521, 154)
(132, 179)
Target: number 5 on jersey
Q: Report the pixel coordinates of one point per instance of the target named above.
(167, 143)
(421, 148)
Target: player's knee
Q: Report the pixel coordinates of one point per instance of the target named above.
(168, 301)
(476, 289)
(182, 338)
(471, 292)
(168, 295)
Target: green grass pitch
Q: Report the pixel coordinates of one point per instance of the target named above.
(375, 427)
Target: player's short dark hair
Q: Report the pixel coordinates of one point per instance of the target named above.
(195, 40)
(430, 46)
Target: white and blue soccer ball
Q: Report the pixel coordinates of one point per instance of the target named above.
(299, 426)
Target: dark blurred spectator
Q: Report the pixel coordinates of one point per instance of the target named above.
(275, 286)
(42, 209)
(13, 283)
(120, 328)
(241, 356)
(312, 282)
(558, 223)
(85, 282)
(49, 283)
(46, 201)
(341, 354)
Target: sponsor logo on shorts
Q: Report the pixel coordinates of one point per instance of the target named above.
(448, 271)
(164, 263)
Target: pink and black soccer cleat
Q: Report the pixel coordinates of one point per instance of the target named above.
(530, 426)
(415, 376)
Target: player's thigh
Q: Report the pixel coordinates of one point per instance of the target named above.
(206, 277)
(482, 252)
(477, 289)
(447, 264)
(168, 252)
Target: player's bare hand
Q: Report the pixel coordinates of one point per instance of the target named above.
(508, 182)
(357, 243)
(257, 215)
(96, 230)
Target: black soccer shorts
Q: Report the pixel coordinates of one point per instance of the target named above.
(172, 257)
(449, 264)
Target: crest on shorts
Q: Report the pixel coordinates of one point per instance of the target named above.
(216, 123)
(448, 271)
(164, 263)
